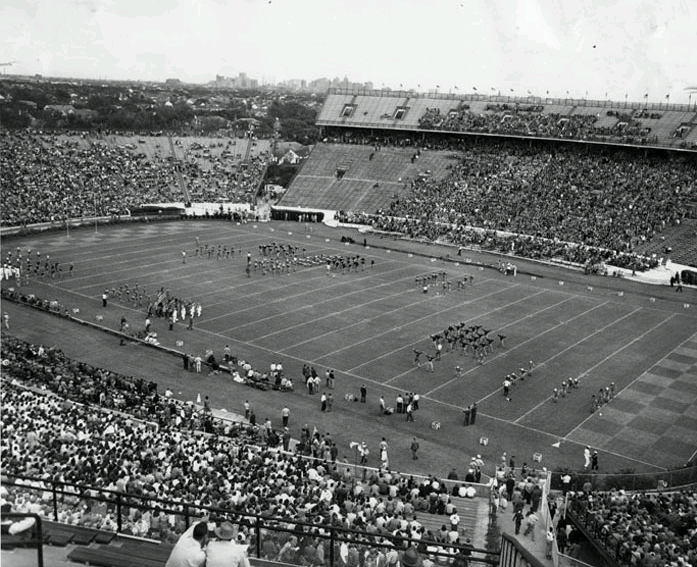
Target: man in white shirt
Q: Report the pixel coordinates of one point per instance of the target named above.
(226, 551)
(188, 552)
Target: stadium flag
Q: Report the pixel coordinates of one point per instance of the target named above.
(511, 90)
(474, 88)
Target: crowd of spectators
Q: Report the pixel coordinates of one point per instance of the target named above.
(51, 178)
(70, 438)
(515, 120)
(224, 179)
(583, 207)
(643, 529)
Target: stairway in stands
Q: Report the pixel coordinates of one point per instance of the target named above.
(474, 519)
(178, 165)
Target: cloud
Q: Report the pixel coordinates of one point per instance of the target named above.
(45, 58)
(533, 25)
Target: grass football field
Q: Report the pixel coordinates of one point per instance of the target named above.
(365, 324)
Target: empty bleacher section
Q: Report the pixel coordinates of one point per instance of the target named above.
(583, 120)
(359, 177)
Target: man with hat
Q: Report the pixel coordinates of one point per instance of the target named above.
(188, 551)
(227, 550)
(411, 558)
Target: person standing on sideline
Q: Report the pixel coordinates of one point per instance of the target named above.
(247, 409)
(105, 296)
(414, 448)
(323, 401)
(467, 411)
(183, 256)
(364, 393)
(147, 324)
(384, 460)
(594, 461)
(586, 458)
(6, 320)
(410, 412)
(473, 414)
(189, 549)
(383, 408)
(363, 451)
(285, 414)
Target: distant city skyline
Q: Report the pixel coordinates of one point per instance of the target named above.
(589, 50)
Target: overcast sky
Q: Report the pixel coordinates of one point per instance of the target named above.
(616, 47)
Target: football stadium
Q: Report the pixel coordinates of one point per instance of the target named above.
(465, 334)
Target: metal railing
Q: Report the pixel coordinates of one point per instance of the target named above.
(124, 508)
(513, 554)
(583, 519)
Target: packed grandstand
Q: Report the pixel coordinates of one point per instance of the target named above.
(431, 169)
(69, 424)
